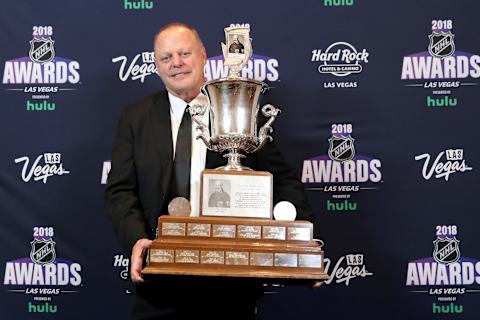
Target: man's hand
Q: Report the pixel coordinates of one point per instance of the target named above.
(136, 260)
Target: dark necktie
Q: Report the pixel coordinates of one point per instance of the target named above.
(183, 155)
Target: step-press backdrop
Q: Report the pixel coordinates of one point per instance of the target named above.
(380, 120)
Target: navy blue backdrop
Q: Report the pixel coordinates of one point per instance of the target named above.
(379, 119)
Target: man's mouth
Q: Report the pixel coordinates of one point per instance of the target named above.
(179, 74)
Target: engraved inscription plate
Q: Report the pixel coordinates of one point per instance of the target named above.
(273, 233)
(212, 257)
(249, 232)
(198, 229)
(173, 229)
(186, 256)
(261, 259)
(223, 231)
(285, 259)
(162, 255)
(236, 258)
(298, 233)
(310, 260)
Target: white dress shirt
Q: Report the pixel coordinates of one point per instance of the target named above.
(199, 150)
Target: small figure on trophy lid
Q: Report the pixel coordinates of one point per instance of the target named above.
(238, 49)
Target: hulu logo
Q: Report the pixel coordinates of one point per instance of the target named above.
(449, 308)
(441, 102)
(39, 308)
(137, 5)
(344, 205)
(337, 3)
(40, 106)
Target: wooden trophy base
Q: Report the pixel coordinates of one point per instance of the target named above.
(235, 247)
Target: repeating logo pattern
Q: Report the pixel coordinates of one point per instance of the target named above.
(342, 173)
(347, 268)
(42, 276)
(454, 163)
(340, 59)
(42, 74)
(446, 275)
(43, 167)
(443, 68)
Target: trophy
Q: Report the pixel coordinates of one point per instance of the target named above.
(235, 235)
(233, 105)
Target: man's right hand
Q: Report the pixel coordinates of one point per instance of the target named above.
(136, 260)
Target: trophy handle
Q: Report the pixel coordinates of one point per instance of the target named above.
(197, 111)
(263, 134)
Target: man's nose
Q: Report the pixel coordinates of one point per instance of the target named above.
(177, 60)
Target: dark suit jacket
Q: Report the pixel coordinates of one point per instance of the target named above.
(139, 179)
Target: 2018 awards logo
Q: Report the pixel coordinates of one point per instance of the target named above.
(442, 66)
(42, 276)
(43, 167)
(446, 274)
(342, 60)
(342, 172)
(43, 72)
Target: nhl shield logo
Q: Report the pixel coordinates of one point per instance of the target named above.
(441, 44)
(341, 148)
(41, 50)
(446, 250)
(43, 251)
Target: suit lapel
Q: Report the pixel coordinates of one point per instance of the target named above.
(162, 135)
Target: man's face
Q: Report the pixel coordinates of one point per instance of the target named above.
(218, 186)
(180, 59)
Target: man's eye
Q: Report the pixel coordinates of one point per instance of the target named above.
(165, 58)
(185, 54)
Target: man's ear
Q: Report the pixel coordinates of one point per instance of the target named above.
(204, 55)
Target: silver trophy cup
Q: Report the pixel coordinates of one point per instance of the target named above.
(233, 109)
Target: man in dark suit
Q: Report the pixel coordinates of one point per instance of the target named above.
(143, 173)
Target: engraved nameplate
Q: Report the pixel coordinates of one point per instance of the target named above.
(310, 260)
(261, 259)
(285, 259)
(249, 232)
(273, 233)
(212, 257)
(198, 230)
(236, 258)
(223, 231)
(186, 256)
(298, 233)
(162, 255)
(173, 229)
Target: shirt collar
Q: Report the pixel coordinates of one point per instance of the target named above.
(178, 106)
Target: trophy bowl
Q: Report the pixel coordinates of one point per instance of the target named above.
(233, 109)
